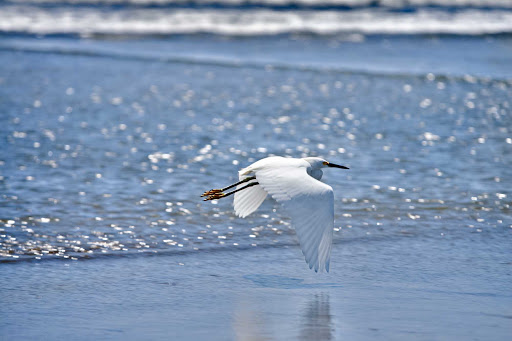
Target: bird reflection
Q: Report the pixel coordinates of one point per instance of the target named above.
(317, 324)
(249, 326)
(283, 308)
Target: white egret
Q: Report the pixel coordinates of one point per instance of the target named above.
(295, 184)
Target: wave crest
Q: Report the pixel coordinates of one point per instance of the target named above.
(157, 21)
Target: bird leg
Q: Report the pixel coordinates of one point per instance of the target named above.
(218, 195)
(216, 191)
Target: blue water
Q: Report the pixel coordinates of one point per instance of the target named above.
(109, 136)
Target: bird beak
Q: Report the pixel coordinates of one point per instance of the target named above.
(336, 166)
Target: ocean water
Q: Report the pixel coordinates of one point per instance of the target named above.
(117, 115)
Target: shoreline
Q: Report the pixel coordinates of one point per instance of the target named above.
(229, 295)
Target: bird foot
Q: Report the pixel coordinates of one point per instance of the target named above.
(211, 192)
(214, 196)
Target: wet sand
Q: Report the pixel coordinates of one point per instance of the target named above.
(263, 293)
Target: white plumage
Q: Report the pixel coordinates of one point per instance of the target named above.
(248, 200)
(294, 183)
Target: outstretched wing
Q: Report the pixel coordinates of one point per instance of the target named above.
(248, 200)
(310, 204)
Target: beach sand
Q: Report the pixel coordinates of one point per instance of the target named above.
(419, 293)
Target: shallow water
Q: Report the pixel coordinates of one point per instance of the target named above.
(108, 143)
(94, 166)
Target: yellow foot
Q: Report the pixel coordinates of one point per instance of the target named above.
(211, 192)
(215, 196)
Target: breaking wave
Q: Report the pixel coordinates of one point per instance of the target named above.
(253, 18)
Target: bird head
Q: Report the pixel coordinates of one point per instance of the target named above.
(317, 163)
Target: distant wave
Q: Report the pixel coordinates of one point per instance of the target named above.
(108, 20)
(236, 63)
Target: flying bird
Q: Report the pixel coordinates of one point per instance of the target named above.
(294, 183)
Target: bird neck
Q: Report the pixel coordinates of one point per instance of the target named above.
(315, 173)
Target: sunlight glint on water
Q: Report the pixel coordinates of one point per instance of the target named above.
(95, 167)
